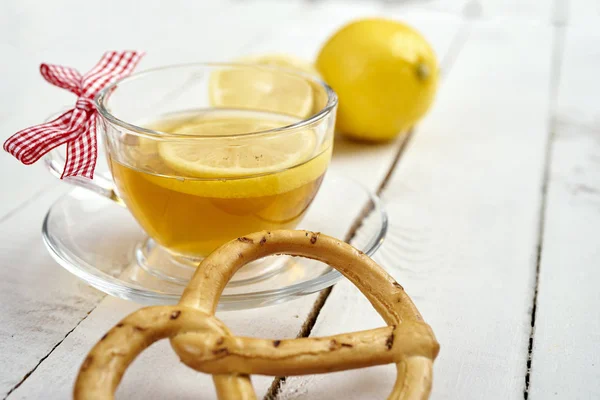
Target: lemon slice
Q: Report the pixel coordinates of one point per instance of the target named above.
(293, 63)
(256, 186)
(261, 89)
(283, 61)
(236, 157)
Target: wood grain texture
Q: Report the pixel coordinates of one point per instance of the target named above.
(583, 12)
(157, 373)
(565, 359)
(533, 10)
(464, 207)
(39, 301)
(577, 103)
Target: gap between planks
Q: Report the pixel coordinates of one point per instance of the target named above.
(311, 319)
(557, 58)
(28, 374)
(446, 64)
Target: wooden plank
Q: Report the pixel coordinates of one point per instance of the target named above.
(565, 358)
(457, 7)
(577, 102)
(583, 11)
(464, 208)
(279, 321)
(157, 373)
(305, 33)
(488, 9)
(39, 301)
(185, 32)
(517, 9)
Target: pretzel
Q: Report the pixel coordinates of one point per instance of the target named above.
(205, 344)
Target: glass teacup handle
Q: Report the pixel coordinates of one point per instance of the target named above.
(101, 185)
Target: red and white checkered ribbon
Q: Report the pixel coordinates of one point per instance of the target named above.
(76, 127)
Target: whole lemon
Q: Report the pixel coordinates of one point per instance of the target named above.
(385, 74)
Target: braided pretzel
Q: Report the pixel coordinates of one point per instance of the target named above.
(205, 344)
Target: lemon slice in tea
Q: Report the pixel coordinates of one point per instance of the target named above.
(236, 157)
(283, 61)
(261, 89)
(293, 63)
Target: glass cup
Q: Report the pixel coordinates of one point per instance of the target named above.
(201, 154)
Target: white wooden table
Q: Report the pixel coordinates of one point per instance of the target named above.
(494, 200)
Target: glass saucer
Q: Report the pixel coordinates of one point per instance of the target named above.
(99, 241)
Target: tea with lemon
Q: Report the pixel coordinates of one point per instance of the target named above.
(200, 187)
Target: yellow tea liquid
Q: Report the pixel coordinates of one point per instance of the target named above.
(191, 197)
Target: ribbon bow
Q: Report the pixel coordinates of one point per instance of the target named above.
(76, 127)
